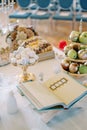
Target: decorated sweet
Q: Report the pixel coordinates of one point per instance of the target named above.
(18, 35)
(79, 36)
(38, 44)
(65, 64)
(23, 56)
(74, 36)
(72, 54)
(76, 51)
(83, 69)
(82, 54)
(75, 62)
(74, 67)
(83, 37)
(76, 46)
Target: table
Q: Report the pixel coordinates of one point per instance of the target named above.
(27, 118)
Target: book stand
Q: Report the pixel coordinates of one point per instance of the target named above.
(46, 116)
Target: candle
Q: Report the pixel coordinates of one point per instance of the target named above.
(5, 2)
(12, 3)
(8, 3)
(2, 4)
(80, 26)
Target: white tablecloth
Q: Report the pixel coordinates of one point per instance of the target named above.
(27, 118)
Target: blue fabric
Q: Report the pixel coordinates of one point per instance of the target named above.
(33, 6)
(83, 4)
(60, 17)
(84, 19)
(17, 15)
(23, 3)
(65, 7)
(80, 16)
(36, 16)
(65, 3)
(53, 8)
(43, 3)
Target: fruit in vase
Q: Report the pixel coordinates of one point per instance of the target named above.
(65, 64)
(74, 36)
(83, 37)
(72, 54)
(73, 68)
(82, 54)
(83, 69)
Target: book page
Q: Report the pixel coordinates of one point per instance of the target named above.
(65, 87)
(39, 95)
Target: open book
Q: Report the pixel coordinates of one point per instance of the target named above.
(59, 91)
